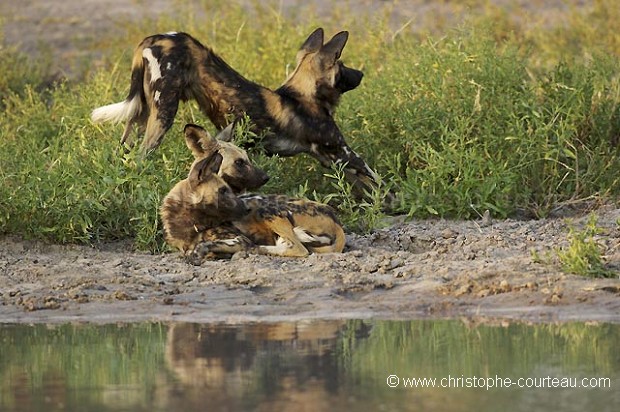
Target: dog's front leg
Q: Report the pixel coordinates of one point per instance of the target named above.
(361, 176)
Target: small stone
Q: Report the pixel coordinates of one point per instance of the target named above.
(396, 263)
(504, 286)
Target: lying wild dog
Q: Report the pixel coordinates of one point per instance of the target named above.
(202, 216)
(295, 118)
(200, 202)
(236, 172)
(274, 225)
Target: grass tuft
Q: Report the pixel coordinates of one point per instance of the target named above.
(584, 254)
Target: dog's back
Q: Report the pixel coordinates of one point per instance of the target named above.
(169, 68)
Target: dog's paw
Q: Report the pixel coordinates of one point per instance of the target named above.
(194, 259)
(199, 254)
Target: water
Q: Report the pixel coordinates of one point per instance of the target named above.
(307, 366)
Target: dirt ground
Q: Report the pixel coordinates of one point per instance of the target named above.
(420, 269)
(437, 268)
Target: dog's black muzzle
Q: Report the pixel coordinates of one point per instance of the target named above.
(348, 78)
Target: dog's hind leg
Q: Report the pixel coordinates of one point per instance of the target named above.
(322, 243)
(127, 132)
(164, 86)
(287, 243)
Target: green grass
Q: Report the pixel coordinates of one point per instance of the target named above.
(486, 115)
(584, 254)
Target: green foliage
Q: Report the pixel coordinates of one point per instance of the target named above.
(583, 256)
(474, 119)
(358, 215)
(440, 347)
(65, 180)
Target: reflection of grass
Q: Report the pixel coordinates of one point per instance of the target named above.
(439, 348)
(86, 359)
(489, 115)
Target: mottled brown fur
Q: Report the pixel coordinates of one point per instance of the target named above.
(202, 220)
(275, 225)
(237, 170)
(198, 203)
(192, 206)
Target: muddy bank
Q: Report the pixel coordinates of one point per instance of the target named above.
(421, 269)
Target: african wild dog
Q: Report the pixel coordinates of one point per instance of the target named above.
(203, 218)
(295, 118)
(200, 202)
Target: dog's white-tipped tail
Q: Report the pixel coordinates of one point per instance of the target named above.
(117, 112)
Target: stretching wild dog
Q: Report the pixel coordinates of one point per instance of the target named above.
(295, 118)
(202, 216)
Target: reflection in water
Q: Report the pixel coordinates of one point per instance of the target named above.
(258, 364)
(307, 365)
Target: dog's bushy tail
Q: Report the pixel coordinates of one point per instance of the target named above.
(133, 105)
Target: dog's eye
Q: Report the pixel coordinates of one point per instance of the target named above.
(223, 190)
(240, 162)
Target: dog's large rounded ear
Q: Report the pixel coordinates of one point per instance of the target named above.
(226, 134)
(199, 141)
(205, 168)
(332, 50)
(314, 42)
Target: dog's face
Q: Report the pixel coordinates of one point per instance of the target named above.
(236, 168)
(319, 70)
(210, 193)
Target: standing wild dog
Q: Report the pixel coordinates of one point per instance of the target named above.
(202, 216)
(295, 118)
